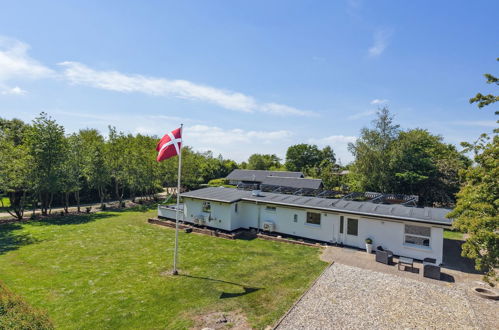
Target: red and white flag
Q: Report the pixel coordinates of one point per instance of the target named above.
(169, 145)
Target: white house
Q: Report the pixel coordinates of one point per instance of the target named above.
(406, 231)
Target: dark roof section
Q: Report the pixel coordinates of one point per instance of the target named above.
(259, 176)
(293, 182)
(393, 211)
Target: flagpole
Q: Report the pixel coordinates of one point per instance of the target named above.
(175, 255)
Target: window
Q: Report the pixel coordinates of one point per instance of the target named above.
(417, 235)
(353, 227)
(235, 207)
(270, 208)
(206, 207)
(295, 218)
(341, 224)
(313, 218)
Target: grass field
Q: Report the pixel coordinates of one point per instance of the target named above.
(4, 202)
(456, 235)
(104, 271)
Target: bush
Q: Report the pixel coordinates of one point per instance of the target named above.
(218, 182)
(369, 241)
(16, 314)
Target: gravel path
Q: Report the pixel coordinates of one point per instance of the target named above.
(354, 298)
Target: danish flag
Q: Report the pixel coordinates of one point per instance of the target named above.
(169, 145)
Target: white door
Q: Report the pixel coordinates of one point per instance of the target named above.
(351, 230)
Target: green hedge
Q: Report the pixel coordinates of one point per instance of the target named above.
(220, 182)
(17, 314)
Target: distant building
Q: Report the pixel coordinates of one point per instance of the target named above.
(258, 176)
(285, 179)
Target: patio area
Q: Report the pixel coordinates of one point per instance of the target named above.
(358, 292)
(455, 269)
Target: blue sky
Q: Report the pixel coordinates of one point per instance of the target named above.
(250, 76)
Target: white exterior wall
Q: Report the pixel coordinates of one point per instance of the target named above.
(390, 235)
(169, 212)
(220, 214)
(387, 233)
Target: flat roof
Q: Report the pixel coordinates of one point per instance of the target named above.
(292, 182)
(432, 215)
(260, 175)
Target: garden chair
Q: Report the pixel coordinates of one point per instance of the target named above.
(431, 269)
(384, 256)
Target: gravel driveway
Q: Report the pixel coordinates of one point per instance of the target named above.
(354, 298)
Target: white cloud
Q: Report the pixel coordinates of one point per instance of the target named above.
(284, 110)
(381, 38)
(361, 115)
(15, 63)
(339, 143)
(213, 135)
(237, 144)
(476, 123)
(379, 101)
(13, 91)
(81, 74)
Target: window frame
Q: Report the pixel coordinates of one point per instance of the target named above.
(270, 208)
(311, 223)
(424, 237)
(206, 207)
(356, 227)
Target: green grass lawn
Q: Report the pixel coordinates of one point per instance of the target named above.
(5, 201)
(103, 271)
(456, 235)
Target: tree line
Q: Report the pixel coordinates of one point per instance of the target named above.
(41, 166)
(387, 160)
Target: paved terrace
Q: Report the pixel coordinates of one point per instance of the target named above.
(358, 293)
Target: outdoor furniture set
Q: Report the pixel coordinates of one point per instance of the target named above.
(430, 267)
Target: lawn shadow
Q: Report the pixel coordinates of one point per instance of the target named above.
(136, 208)
(9, 240)
(452, 258)
(225, 295)
(71, 219)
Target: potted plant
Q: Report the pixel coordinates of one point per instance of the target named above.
(369, 245)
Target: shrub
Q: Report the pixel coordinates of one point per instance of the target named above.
(369, 241)
(17, 314)
(218, 182)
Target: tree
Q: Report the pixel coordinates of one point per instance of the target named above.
(15, 165)
(484, 100)
(308, 158)
(94, 165)
(116, 157)
(422, 164)
(371, 167)
(477, 207)
(72, 170)
(48, 150)
(263, 162)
